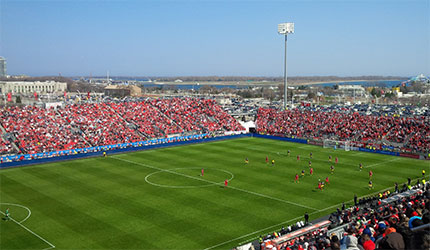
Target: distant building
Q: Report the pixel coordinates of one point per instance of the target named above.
(122, 91)
(3, 67)
(352, 90)
(29, 87)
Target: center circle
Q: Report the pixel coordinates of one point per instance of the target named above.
(171, 171)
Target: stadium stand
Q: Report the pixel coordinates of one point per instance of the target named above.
(5, 146)
(193, 114)
(386, 221)
(39, 130)
(149, 120)
(406, 134)
(100, 124)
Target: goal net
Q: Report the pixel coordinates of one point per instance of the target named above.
(345, 145)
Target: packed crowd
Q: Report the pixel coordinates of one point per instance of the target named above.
(100, 124)
(40, 130)
(149, 120)
(197, 114)
(402, 223)
(412, 132)
(5, 146)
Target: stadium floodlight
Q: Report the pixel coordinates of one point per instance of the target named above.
(285, 29)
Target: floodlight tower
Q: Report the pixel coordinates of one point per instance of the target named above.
(285, 29)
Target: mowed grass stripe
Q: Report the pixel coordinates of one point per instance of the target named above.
(279, 170)
(363, 182)
(269, 176)
(231, 187)
(98, 191)
(12, 234)
(170, 193)
(81, 218)
(117, 195)
(163, 220)
(244, 199)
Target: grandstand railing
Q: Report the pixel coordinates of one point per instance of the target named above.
(300, 232)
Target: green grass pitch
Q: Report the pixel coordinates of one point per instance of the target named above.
(157, 199)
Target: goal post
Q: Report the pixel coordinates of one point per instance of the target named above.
(345, 145)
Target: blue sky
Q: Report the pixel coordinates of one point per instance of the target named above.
(178, 38)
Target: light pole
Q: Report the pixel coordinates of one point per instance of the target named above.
(285, 29)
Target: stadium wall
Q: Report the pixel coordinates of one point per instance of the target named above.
(73, 154)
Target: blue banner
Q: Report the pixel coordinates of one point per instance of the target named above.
(29, 157)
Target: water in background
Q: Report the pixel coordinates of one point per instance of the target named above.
(387, 83)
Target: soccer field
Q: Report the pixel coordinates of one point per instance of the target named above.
(157, 199)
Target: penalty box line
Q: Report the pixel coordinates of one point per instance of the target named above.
(215, 183)
(33, 233)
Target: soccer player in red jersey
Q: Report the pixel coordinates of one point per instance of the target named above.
(336, 160)
(298, 157)
(320, 185)
(267, 159)
(370, 174)
(296, 179)
(203, 171)
(311, 171)
(327, 180)
(225, 183)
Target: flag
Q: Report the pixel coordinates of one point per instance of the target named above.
(9, 97)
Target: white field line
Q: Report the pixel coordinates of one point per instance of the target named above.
(215, 183)
(267, 228)
(372, 165)
(359, 153)
(376, 164)
(35, 234)
(18, 205)
(288, 221)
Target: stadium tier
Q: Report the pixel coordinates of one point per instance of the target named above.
(39, 130)
(385, 221)
(410, 134)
